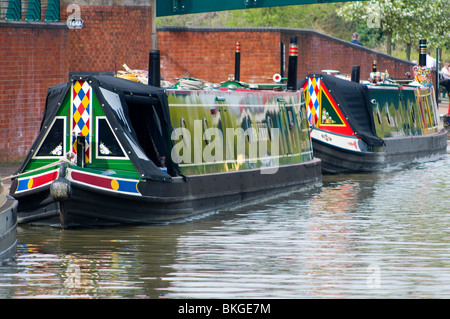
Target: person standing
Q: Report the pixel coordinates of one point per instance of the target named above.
(355, 39)
(445, 77)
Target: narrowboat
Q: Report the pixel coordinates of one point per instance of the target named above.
(8, 225)
(116, 152)
(367, 127)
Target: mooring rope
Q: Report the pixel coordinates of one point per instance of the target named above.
(63, 159)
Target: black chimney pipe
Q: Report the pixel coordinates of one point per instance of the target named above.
(422, 52)
(237, 62)
(154, 72)
(292, 70)
(355, 73)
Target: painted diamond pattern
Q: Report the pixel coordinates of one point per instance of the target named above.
(313, 105)
(81, 115)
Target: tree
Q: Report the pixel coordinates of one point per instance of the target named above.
(382, 14)
(403, 21)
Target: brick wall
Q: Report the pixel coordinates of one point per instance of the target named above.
(110, 37)
(31, 59)
(318, 52)
(208, 53)
(34, 56)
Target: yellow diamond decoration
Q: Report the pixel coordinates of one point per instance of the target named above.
(77, 86)
(76, 116)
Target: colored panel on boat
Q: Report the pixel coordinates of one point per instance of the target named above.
(81, 115)
(323, 111)
(36, 181)
(107, 183)
(313, 102)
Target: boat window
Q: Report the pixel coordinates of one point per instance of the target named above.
(269, 125)
(113, 100)
(388, 116)
(290, 116)
(205, 127)
(413, 114)
(53, 144)
(108, 146)
(247, 126)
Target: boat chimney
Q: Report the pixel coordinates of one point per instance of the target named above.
(292, 70)
(374, 66)
(422, 52)
(237, 61)
(355, 73)
(154, 72)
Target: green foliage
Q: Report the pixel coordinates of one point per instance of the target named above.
(404, 22)
(401, 22)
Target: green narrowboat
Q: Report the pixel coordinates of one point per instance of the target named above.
(112, 152)
(366, 127)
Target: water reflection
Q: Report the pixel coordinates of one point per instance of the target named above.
(358, 236)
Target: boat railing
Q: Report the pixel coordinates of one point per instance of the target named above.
(30, 10)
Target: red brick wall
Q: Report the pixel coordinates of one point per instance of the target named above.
(31, 60)
(210, 55)
(110, 37)
(318, 52)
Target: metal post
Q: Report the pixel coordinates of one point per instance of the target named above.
(437, 73)
(422, 52)
(282, 59)
(154, 34)
(292, 70)
(154, 68)
(237, 61)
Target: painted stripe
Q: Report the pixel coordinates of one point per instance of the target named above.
(36, 181)
(119, 185)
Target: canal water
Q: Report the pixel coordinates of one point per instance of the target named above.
(384, 235)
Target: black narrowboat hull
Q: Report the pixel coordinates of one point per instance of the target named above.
(85, 206)
(8, 229)
(395, 152)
